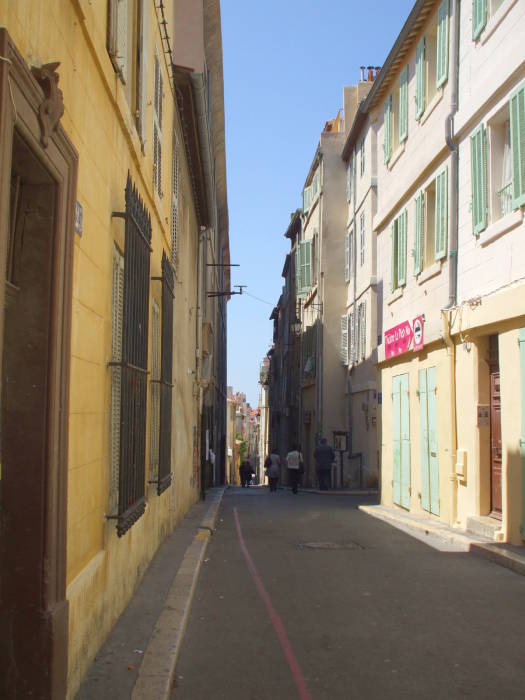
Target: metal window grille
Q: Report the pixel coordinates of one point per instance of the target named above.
(166, 368)
(157, 125)
(116, 375)
(134, 361)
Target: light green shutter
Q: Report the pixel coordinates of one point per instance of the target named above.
(393, 256)
(307, 199)
(403, 104)
(405, 442)
(442, 44)
(396, 438)
(423, 440)
(401, 248)
(388, 128)
(298, 283)
(441, 214)
(421, 78)
(307, 265)
(517, 142)
(522, 437)
(419, 233)
(478, 160)
(479, 17)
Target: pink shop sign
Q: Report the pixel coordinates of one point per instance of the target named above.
(398, 339)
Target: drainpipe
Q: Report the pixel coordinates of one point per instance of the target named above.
(452, 259)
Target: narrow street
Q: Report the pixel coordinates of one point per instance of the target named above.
(367, 611)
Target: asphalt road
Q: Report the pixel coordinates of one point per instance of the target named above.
(307, 597)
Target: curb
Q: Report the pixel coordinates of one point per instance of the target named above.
(496, 553)
(157, 669)
(336, 492)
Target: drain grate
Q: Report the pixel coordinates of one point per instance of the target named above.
(349, 544)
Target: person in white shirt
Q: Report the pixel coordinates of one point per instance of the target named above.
(294, 461)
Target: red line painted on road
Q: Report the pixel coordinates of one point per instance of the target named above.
(277, 623)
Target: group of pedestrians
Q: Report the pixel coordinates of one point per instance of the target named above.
(324, 457)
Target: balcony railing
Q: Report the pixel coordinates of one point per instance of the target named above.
(505, 198)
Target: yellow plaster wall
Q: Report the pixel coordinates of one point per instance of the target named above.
(102, 569)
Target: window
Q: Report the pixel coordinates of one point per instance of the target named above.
(175, 211)
(129, 366)
(157, 125)
(399, 251)
(431, 223)
(432, 59)
(344, 339)
(166, 369)
(303, 267)
(315, 185)
(421, 78)
(349, 249)
(362, 152)
(352, 354)
(308, 352)
(403, 104)
(362, 237)
(117, 36)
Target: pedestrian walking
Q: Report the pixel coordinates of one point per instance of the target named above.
(324, 457)
(294, 462)
(245, 472)
(273, 469)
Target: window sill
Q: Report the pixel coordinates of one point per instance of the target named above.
(500, 227)
(396, 155)
(432, 105)
(396, 294)
(494, 21)
(430, 272)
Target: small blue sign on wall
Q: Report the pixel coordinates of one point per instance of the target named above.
(78, 218)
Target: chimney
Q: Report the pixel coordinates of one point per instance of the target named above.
(378, 70)
(362, 69)
(370, 70)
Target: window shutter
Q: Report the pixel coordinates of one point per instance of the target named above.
(440, 226)
(442, 44)
(362, 241)
(403, 104)
(349, 181)
(155, 392)
(117, 305)
(421, 78)
(315, 185)
(122, 39)
(347, 257)
(388, 128)
(351, 321)
(307, 270)
(362, 339)
(419, 232)
(402, 248)
(142, 83)
(111, 31)
(478, 159)
(344, 339)
(175, 202)
(297, 271)
(393, 256)
(479, 17)
(517, 144)
(307, 199)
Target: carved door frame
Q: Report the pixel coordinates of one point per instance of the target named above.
(31, 104)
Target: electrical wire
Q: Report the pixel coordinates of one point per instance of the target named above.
(258, 299)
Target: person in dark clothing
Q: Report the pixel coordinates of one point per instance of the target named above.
(245, 472)
(324, 457)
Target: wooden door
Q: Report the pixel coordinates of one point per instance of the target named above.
(401, 440)
(495, 443)
(428, 440)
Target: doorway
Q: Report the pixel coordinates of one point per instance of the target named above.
(495, 429)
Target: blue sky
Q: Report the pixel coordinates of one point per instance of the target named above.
(285, 65)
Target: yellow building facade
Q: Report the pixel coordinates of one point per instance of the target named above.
(105, 186)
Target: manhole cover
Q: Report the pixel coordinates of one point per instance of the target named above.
(330, 545)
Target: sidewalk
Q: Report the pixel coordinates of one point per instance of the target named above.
(138, 658)
(340, 492)
(507, 555)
